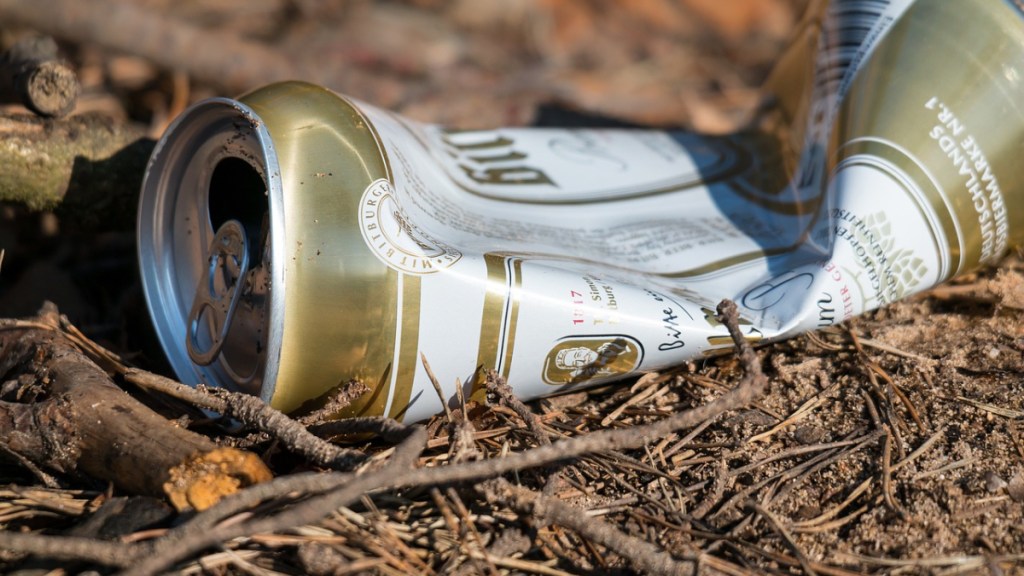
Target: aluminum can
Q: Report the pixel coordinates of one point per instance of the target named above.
(292, 240)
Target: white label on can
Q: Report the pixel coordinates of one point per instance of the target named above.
(394, 239)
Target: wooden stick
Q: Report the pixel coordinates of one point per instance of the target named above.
(224, 59)
(31, 74)
(64, 414)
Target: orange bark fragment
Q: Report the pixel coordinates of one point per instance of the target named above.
(206, 478)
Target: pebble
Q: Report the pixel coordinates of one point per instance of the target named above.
(1015, 488)
(993, 482)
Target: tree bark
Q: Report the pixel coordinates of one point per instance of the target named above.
(63, 413)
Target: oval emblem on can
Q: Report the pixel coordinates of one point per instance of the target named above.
(394, 239)
(578, 359)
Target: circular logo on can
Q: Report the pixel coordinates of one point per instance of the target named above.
(394, 239)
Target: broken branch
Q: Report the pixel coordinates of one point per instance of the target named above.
(63, 413)
(32, 75)
(236, 63)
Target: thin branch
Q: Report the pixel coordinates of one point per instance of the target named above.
(805, 563)
(437, 386)
(252, 411)
(70, 548)
(644, 556)
(337, 400)
(381, 427)
(499, 387)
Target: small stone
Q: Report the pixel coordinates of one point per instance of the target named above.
(807, 511)
(1015, 488)
(809, 434)
(993, 482)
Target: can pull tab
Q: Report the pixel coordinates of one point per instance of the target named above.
(218, 292)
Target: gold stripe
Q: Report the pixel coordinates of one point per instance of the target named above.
(513, 319)
(494, 303)
(490, 322)
(407, 353)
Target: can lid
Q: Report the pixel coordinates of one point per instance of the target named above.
(210, 207)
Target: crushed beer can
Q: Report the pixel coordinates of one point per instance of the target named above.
(294, 239)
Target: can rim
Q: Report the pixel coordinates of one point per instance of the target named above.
(165, 184)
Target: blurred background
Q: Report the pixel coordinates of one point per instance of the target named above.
(693, 64)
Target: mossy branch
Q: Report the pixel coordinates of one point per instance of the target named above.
(90, 166)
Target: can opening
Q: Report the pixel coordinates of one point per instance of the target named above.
(228, 318)
(238, 192)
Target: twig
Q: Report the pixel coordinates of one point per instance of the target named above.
(729, 315)
(69, 548)
(714, 495)
(525, 566)
(791, 453)
(386, 429)
(337, 400)
(649, 383)
(829, 526)
(992, 408)
(818, 462)
(253, 412)
(806, 408)
(791, 561)
(47, 479)
(920, 449)
(644, 556)
(497, 386)
(468, 527)
(896, 351)
(449, 519)
(908, 405)
(943, 469)
(437, 387)
(860, 489)
(786, 537)
(965, 562)
(887, 491)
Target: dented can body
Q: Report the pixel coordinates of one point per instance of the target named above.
(293, 239)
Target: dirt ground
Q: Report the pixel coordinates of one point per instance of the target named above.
(891, 444)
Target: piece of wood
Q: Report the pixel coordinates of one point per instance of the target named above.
(89, 166)
(214, 56)
(31, 74)
(63, 413)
